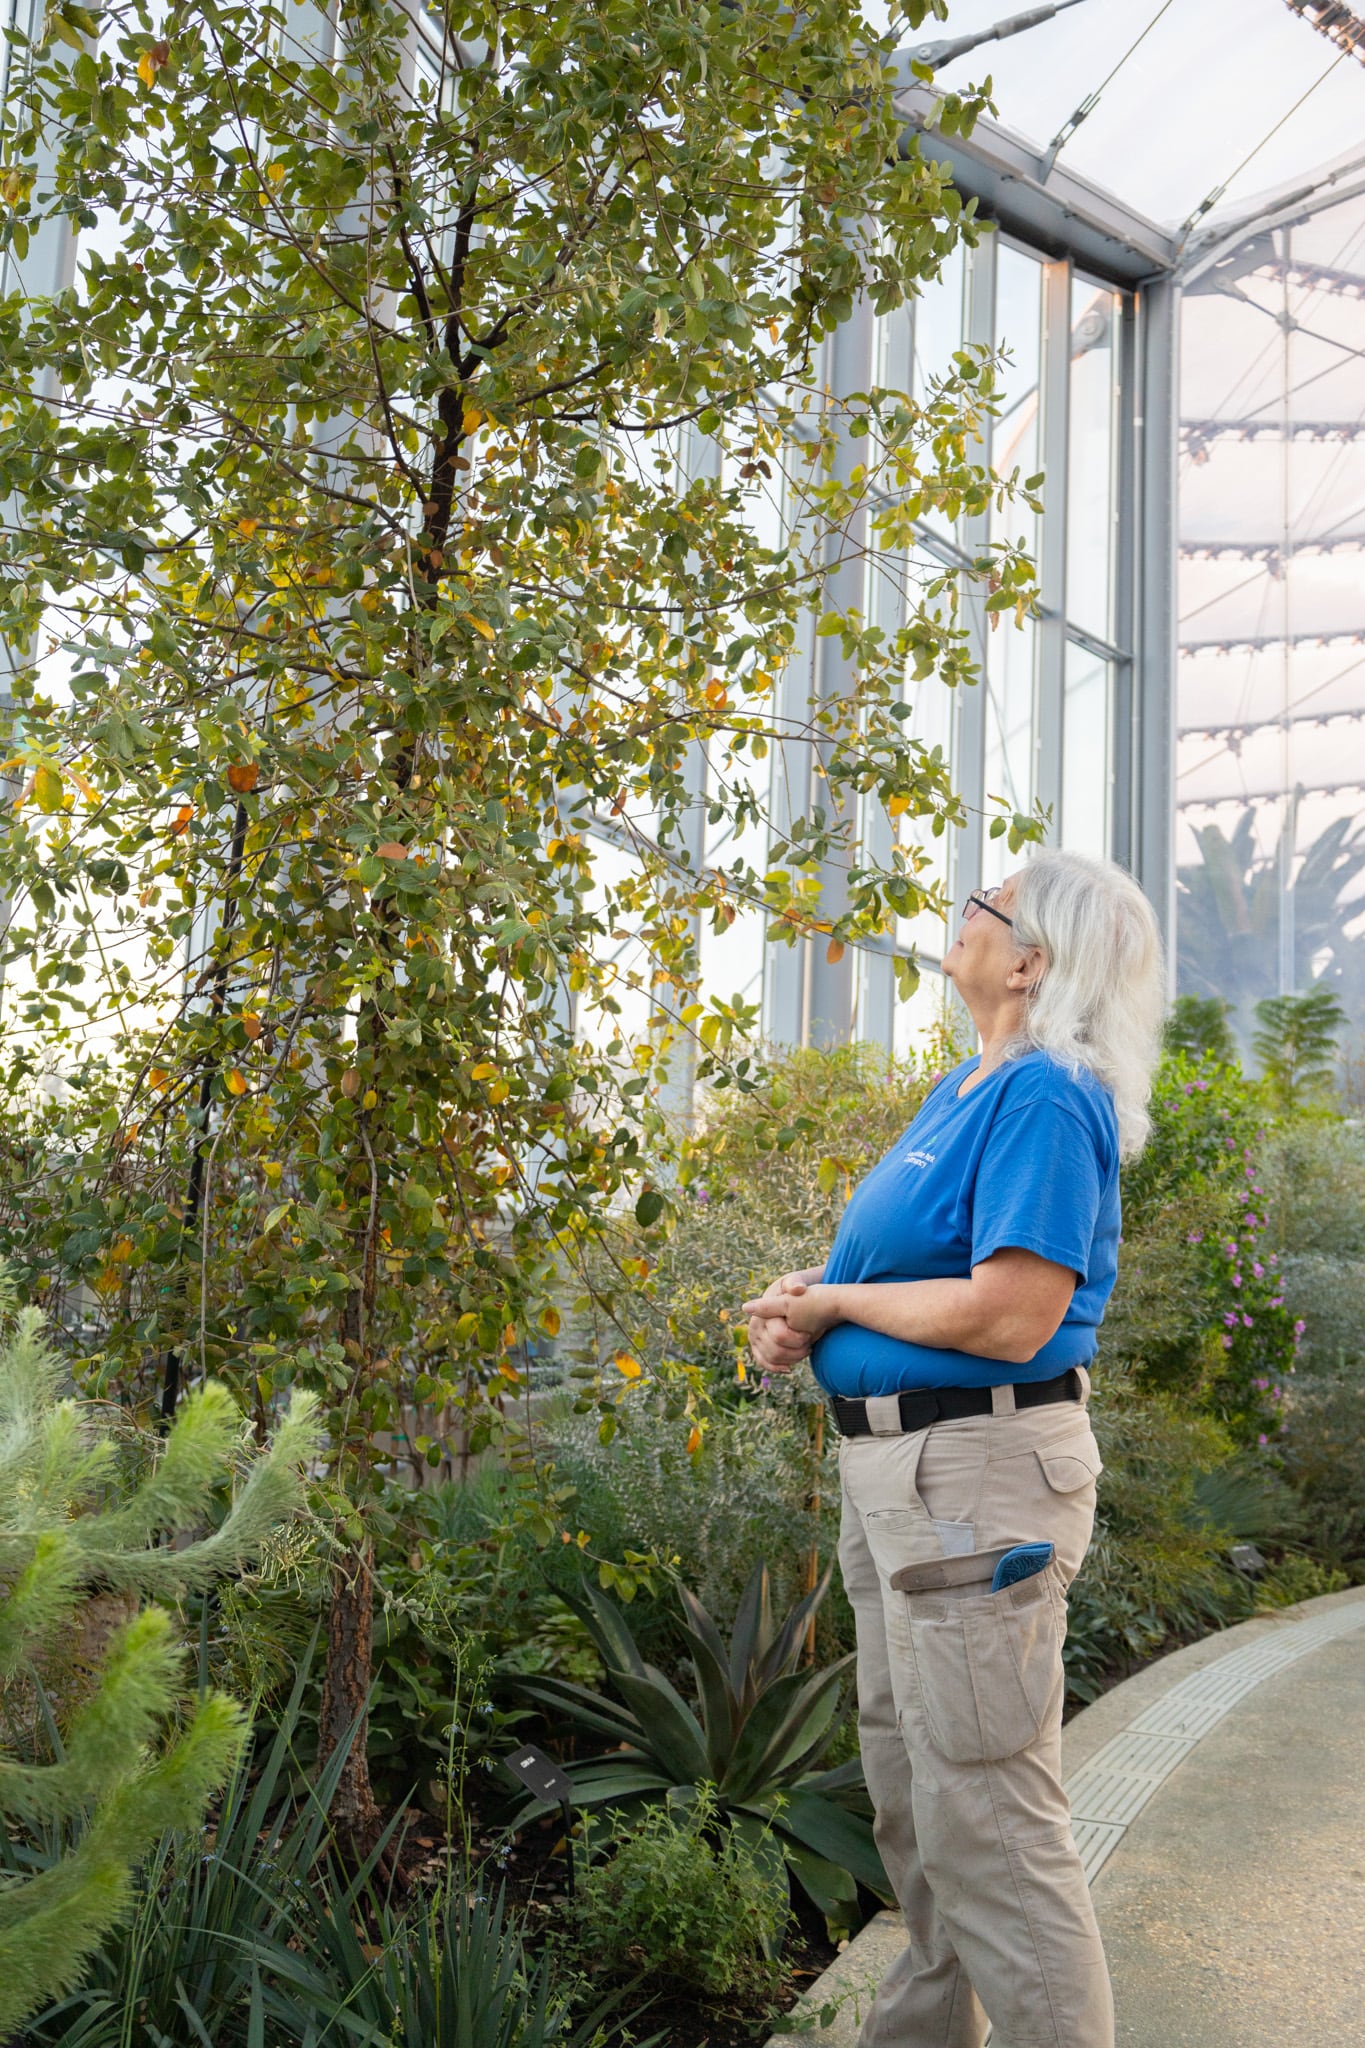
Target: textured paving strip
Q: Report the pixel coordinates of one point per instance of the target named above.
(1235, 1915)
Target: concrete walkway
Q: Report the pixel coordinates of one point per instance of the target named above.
(1218, 1800)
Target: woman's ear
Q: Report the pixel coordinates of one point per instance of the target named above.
(1028, 970)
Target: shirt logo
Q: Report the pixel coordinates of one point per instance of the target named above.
(919, 1159)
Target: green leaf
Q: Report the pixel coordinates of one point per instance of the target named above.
(649, 1208)
(669, 1729)
(843, 1838)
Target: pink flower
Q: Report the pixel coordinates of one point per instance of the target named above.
(1248, 1322)
(1194, 1237)
(1258, 1269)
(1263, 1440)
(1299, 1328)
(1227, 1343)
(1236, 1279)
(1230, 1318)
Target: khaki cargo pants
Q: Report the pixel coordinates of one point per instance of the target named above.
(960, 1713)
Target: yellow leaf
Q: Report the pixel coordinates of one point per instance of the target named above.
(369, 1100)
(251, 1024)
(485, 1071)
(246, 527)
(182, 819)
(275, 173)
(48, 786)
(741, 1371)
(157, 1077)
(897, 805)
(86, 788)
(471, 422)
(716, 695)
(834, 952)
(549, 1321)
(147, 68)
(121, 1251)
(497, 1091)
(693, 1440)
(235, 1081)
(482, 626)
(628, 1367)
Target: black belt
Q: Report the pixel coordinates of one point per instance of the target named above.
(920, 1406)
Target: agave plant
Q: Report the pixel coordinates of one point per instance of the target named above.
(761, 1726)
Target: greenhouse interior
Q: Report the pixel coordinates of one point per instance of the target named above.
(566, 572)
(1185, 367)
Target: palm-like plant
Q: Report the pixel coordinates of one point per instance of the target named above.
(761, 1727)
(1233, 897)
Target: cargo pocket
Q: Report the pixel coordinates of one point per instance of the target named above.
(1071, 1463)
(989, 1668)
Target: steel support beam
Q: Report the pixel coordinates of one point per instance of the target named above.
(1153, 838)
(1050, 675)
(831, 983)
(968, 754)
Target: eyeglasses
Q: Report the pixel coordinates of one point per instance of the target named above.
(984, 899)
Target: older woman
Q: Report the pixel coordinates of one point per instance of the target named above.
(952, 1326)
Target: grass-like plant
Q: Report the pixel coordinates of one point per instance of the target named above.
(762, 1725)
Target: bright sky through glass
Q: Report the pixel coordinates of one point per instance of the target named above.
(1206, 86)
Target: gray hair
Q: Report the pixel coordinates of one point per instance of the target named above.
(1100, 1000)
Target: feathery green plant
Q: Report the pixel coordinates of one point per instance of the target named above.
(70, 1524)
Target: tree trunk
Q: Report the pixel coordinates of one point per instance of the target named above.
(345, 1690)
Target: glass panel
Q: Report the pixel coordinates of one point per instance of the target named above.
(1092, 511)
(1016, 439)
(937, 332)
(1271, 845)
(934, 724)
(1010, 730)
(924, 1013)
(1087, 772)
(938, 315)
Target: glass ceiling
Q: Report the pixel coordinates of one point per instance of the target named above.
(1244, 95)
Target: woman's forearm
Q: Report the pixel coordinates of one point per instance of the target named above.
(985, 1321)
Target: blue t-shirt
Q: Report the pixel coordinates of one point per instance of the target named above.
(1028, 1158)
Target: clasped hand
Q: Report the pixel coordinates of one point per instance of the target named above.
(786, 1319)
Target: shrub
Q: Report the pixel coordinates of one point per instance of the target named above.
(1314, 1174)
(1157, 1568)
(1297, 1045)
(763, 1727)
(1324, 1456)
(1296, 1578)
(1198, 1309)
(683, 1898)
(746, 1491)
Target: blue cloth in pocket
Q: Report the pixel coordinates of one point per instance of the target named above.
(1021, 1563)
